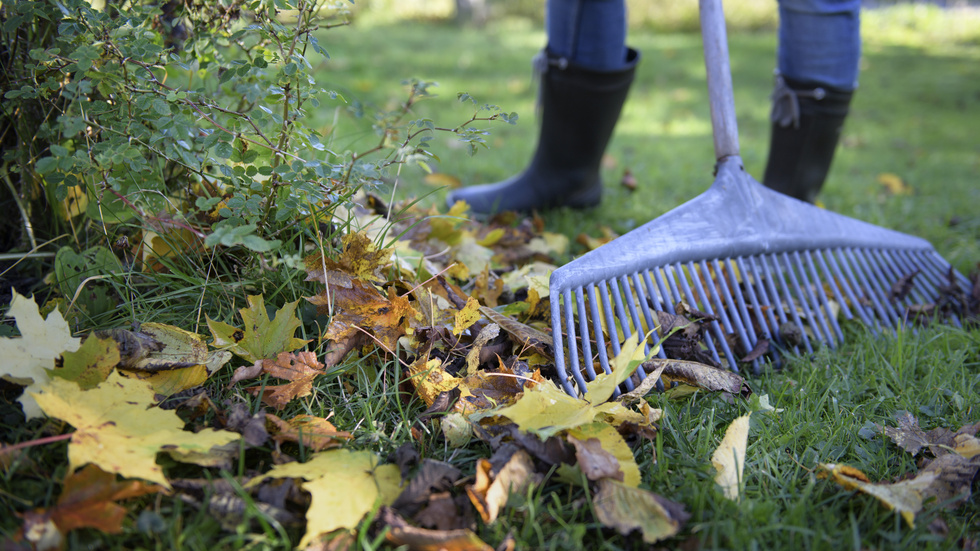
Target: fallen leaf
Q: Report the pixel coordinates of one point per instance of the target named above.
(362, 307)
(419, 539)
(700, 375)
(433, 477)
(595, 461)
(490, 491)
(27, 359)
(487, 334)
(117, 429)
(954, 476)
(903, 286)
(261, 338)
(359, 258)
(88, 500)
(905, 497)
(314, 433)
(894, 184)
(467, 316)
(627, 508)
(90, 364)
(907, 435)
(299, 368)
(344, 485)
(729, 458)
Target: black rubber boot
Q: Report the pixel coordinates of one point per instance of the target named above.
(579, 109)
(806, 125)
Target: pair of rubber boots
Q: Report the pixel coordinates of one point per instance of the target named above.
(579, 110)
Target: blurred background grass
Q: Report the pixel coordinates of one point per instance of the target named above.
(915, 115)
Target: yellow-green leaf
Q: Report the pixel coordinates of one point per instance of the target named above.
(344, 485)
(261, 337)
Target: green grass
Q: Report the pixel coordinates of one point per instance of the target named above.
(915, 115)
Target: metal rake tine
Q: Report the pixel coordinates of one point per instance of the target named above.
(583, 321)
(813, 292)
(788, 298)
(713, 324)
(742, 313)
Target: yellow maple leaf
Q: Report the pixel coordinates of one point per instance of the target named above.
(26, 359)
(344, 485)
(117, 429)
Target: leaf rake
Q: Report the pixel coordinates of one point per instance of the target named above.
(766, 272)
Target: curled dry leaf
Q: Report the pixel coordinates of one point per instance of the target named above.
(492, 488)
(905, 497)
(420, 539)
(699, 375)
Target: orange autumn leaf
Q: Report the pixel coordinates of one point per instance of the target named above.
(89, 498)
(315, 433)
(360, 259)
(362, 306)
(299, 368)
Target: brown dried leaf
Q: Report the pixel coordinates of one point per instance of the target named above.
(906, 496)
(901, 288)
(315, 433)
(420, 539)
(595, 462)
(907, 435)
(699, 375)
(300, 368)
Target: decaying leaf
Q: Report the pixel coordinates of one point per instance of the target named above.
(419, 539)
(954, 475)
(117, 429)
(729, 458)
(627, 508)
(602, 453)
(901, 288)
(344, 485)
(88, 500)
(299, 368)
(525, 335)
(905, 497)
(27, 359)
(699, 375)
(359, 259)
(467, 316)
(362, 307)
(492, 488)
(487, 334)
(907, 435)
(261, 337)
(314, 433)
(90, 364)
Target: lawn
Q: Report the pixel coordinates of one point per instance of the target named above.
(915, 117)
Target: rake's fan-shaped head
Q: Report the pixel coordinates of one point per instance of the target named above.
(767, 271)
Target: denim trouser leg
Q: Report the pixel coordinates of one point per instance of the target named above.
(820, 42)
(589, 33)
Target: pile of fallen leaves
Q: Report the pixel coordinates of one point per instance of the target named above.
(461, 308)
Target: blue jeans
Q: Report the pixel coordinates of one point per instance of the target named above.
(819, 40)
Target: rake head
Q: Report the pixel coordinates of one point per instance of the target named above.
(760, 273)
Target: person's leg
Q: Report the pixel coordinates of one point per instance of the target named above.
(819, 52)
(587, 71)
